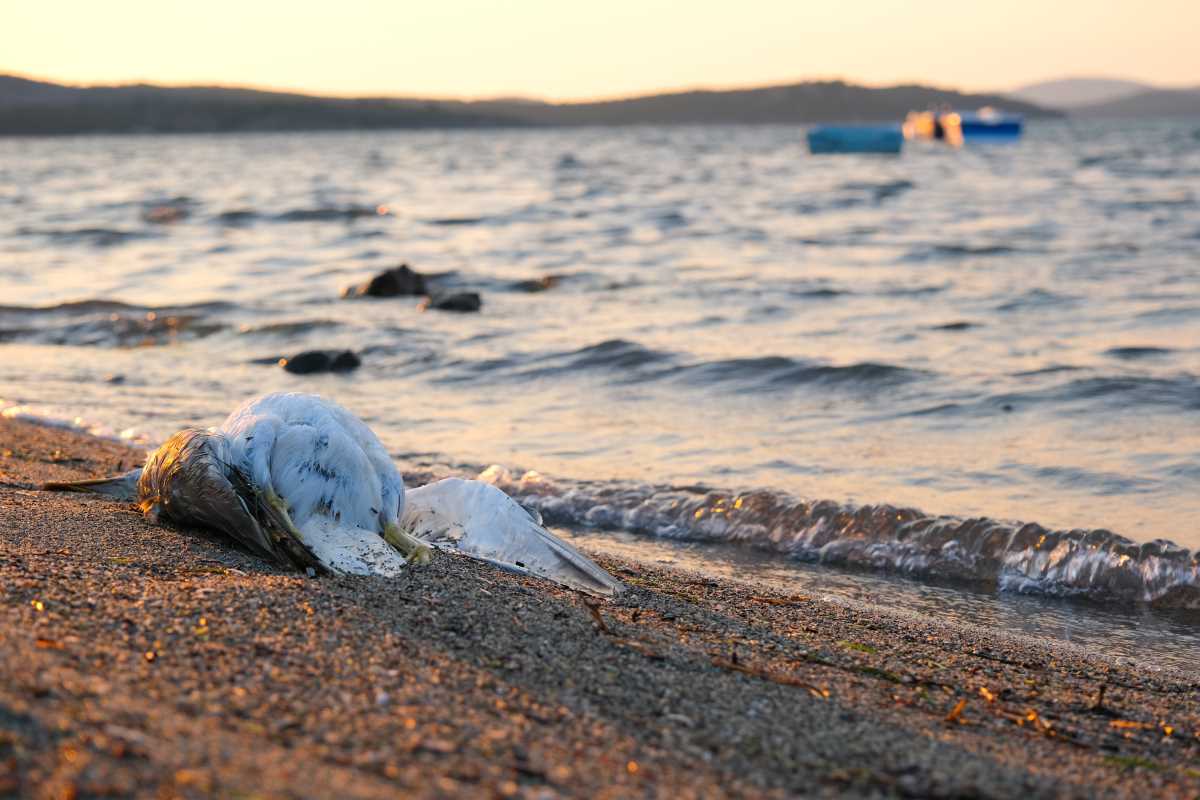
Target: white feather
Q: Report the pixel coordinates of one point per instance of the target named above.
(479, 520)
(351, 550)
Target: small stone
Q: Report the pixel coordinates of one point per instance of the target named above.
(311, 361)
(453, 301)
(395, 282)
(345, 361)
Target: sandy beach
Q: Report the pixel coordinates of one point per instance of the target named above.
(138, 660)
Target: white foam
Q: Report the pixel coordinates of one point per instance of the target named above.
(56, 418)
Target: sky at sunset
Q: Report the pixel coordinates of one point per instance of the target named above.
(570, 50)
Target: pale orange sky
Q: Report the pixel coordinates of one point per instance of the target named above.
(558, 49)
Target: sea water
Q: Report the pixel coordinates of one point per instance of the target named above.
(973, 368)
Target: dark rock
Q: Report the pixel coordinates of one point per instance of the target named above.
(345, 361)
(311, 361)
(395, 282)
(453, 301)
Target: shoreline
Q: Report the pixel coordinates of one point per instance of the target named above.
(144, 660)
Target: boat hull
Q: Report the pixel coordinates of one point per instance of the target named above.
(884, 139)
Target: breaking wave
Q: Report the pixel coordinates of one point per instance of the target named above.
(1096, 565)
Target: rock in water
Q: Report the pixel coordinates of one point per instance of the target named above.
(453, 301)
(395, 282)
(311, 361)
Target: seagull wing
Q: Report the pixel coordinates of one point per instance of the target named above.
(480, 521)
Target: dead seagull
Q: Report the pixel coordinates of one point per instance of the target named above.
(300, 480)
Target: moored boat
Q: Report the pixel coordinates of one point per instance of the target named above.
(990, 123)
(855, 139)
(956, 127)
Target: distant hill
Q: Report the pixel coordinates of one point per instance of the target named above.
(824, 101)
(1157, 103)
(29, 107)
(36, 107)
(1072, 93)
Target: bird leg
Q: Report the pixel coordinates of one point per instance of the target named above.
(412, 548)
(282, 518)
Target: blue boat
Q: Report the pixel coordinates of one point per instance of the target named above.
(988, 123)
(855, 139)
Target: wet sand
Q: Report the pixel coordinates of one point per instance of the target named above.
(138, 660)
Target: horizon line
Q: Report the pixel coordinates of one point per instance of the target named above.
(573, 101)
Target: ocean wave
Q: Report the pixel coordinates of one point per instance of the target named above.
(944, 251)
(613, 355)
(1132, 353)
(1005, 556)
(332, 214)
(1184, 200)
(1098, 482)
(914, 291)
(818, 293)
(779, 371)
(630, 362)
(1124, 392)
(109, 323)
(878, 191)
(451, 221)
(101, 305)
(863, 372)
(97, 237)
(1182, 391)
(616, 353)
(851, 194)
(1036, 298)
(289, 328)
(959, 325)
(237, 217)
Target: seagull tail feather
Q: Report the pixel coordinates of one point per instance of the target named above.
(576, 569)
(119, 487)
